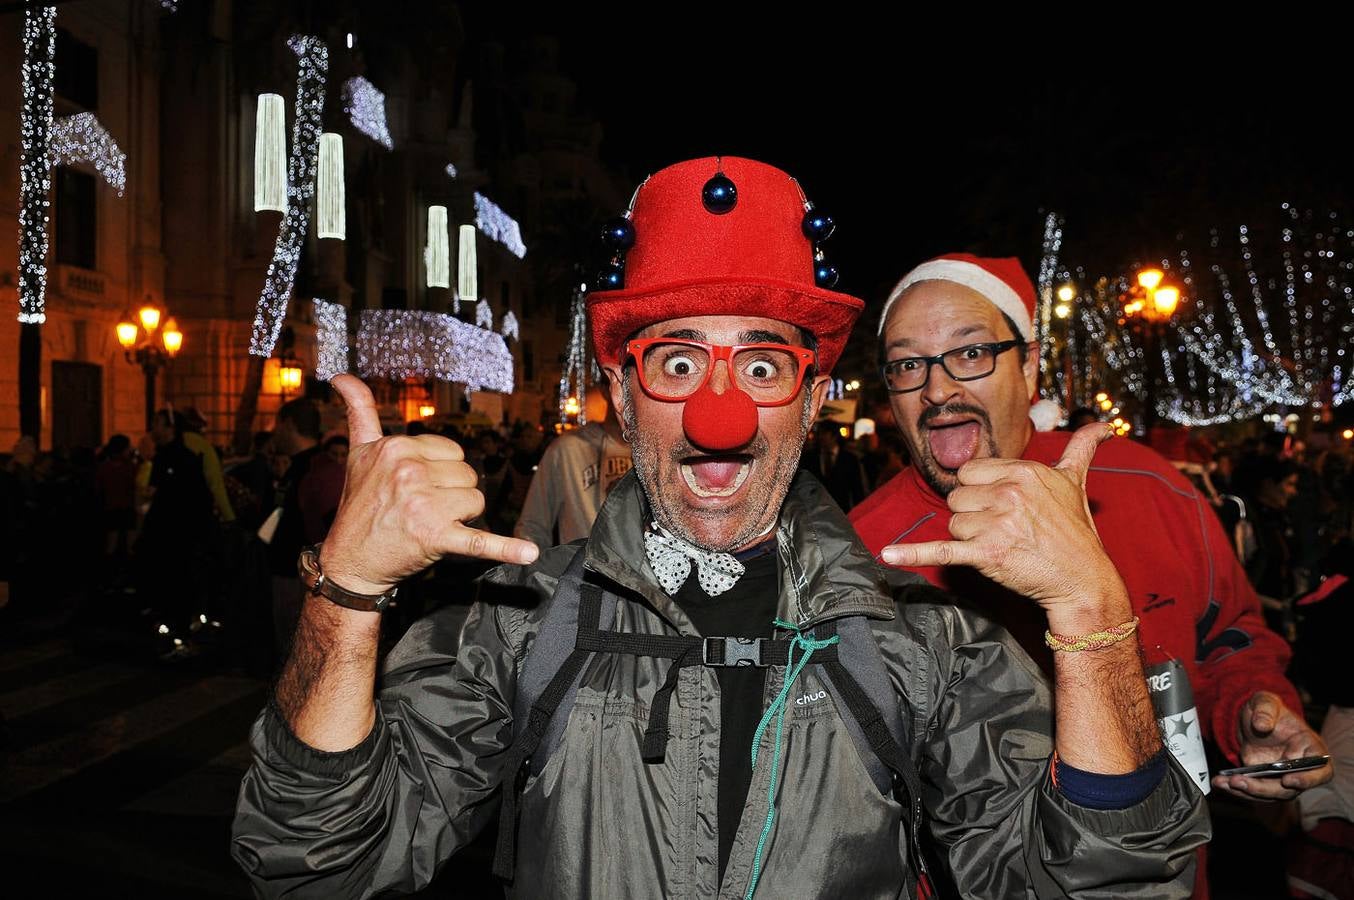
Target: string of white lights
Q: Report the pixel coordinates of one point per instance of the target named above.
(1318, 299)
(312, 69)
(401, 343)
(81, 138)
(1048, 268)
(508, 328)
(498, 225)
(573, 379)
(366, 109)
(331, 339)
(35, 168)
(484, 315)
(1288, 348)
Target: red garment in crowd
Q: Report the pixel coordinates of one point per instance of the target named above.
(317, 495)
(116, 482)
(1183, 579)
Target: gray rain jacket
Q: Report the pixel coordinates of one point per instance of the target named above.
(599, 822)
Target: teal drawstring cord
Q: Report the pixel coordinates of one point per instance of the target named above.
(777, 708)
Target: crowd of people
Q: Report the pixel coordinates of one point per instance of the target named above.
(183, 543)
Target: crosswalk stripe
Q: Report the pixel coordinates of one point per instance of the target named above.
(26, 699)
(36, 767)
(18, 657)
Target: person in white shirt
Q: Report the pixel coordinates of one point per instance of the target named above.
(575, 474)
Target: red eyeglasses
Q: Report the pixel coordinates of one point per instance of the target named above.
(672, 369)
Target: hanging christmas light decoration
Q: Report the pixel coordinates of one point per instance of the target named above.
(484, 316)
(1233, 359)
(509, 326)
(330, 215)
(1048, 267)
(437, 253)
(400, 343)
(81, 138)
(366, 109)
(270, 154)
(573, 380)
(467, 265)
(451, 170)
(312, 69)
(498, 225)
(331, 339)
(35, 168)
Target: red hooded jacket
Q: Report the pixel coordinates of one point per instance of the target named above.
(1183, 579)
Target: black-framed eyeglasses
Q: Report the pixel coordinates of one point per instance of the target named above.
(967, 363)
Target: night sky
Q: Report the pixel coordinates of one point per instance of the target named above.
(931, 141)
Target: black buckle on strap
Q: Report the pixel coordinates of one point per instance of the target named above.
(733, 651)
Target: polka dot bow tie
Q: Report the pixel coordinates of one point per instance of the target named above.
(670, 557)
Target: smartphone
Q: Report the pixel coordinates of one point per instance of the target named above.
(1281, 767)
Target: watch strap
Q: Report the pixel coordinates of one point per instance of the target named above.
(316, 582)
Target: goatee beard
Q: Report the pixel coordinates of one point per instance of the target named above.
(942, 480)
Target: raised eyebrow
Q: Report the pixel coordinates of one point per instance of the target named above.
(761, 336)
(973, 329)
(903, 343)
(686, 334)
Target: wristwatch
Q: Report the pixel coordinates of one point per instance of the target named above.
(313, 577)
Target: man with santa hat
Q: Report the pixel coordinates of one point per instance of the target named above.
(961, 367)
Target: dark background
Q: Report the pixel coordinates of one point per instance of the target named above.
(923, 137)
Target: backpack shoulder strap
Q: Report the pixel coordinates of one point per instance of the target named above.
(859, 658)
(555, 639)
(546, 689)
(873, 716)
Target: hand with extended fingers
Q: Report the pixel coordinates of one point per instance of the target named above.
(405, 504)
(1028, 527)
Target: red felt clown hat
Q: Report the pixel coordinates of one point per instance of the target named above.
(742, 253)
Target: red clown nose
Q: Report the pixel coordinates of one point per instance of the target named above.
(719, 421)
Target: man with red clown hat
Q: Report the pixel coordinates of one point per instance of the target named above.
(961, 368)
(716, 694)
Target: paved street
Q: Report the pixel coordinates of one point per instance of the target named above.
(118, 773)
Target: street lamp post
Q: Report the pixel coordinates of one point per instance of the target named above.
(1153, 304)
(141, 347)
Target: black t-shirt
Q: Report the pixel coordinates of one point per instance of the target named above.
(745, 610)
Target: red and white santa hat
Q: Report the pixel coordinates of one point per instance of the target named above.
(1002, 281)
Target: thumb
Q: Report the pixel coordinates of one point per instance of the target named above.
(1264, 712)
(364, 425)
(1076, 458)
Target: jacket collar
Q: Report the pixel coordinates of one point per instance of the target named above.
(826, 573)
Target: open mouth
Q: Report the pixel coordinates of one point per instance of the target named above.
(955, 442)
(716, 476)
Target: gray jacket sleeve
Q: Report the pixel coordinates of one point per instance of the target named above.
(385, 814)
(1001, 823)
